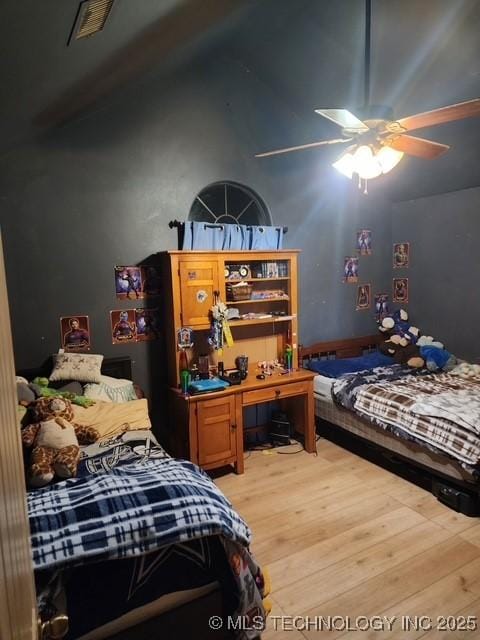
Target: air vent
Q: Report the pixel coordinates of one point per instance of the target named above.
(91, 18)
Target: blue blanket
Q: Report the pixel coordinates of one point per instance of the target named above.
(340, 366)
(128, 512)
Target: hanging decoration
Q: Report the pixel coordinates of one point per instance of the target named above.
(220, 330)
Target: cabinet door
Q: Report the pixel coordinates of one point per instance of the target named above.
(216, 430)
(198, 282)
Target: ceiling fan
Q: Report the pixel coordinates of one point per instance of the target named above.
(378, 140)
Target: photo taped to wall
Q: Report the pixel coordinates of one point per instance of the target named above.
(75, 333)
(364, 297)
(401, 255)
(350, 269)
(123, 326)
(381, 306)
(364, 242)
(128, 283)
(147, 323)
(400, 290)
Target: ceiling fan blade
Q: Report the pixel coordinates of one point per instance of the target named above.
(310, 145)
(343, 118)
(467, 109)
(418, 147)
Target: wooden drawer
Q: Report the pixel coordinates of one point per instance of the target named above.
(275, 392)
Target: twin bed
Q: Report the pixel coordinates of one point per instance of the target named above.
(139, 544)
(423, 426)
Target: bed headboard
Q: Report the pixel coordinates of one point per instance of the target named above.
(119, 367)
(346, 348)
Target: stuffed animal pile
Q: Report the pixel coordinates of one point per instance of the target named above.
(405, 345)
(55, 440)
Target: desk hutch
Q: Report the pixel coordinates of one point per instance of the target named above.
(208, 428)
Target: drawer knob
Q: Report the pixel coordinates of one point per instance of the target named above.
(233, 427)
(277, 392)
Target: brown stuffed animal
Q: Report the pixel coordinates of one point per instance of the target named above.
(55, 441)
(409, 354)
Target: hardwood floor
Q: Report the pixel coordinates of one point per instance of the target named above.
(343, 537)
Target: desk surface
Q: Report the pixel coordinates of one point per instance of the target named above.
(252, 383)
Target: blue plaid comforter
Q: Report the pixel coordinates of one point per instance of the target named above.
(128, 512)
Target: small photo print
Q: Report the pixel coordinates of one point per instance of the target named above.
(364, 242)
(151, 281)
(146, 321)
(364, 297)
(128, 283)
(123, 326)
(350, 269)
(400, 289)
(75, 332)
(401, 255)
(381, 306)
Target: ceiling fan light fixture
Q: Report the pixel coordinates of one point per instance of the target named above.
(366, 163)
(345, 164)
(388, 158)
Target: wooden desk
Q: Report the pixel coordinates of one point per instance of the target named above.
(208, 428)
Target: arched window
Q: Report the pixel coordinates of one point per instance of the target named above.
(231, 203)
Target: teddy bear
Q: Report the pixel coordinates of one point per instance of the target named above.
(401, 339)
(397, 323)
(55, 439)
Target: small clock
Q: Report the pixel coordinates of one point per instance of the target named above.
(244, 271)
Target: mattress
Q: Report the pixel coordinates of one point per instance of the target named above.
(151, 610)
(322, 388)
(349, 421)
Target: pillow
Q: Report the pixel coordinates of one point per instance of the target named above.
(111, 390)
(336, 368)
(76, 366)
(111, 418)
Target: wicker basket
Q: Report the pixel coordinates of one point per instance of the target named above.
(238, 292)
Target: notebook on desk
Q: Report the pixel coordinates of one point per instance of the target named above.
(207, 386)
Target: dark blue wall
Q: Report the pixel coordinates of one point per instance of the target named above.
(444, 273)
(101, 191)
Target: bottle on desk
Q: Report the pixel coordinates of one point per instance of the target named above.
(288, 357)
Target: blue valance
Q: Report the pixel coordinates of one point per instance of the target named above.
(230, 237)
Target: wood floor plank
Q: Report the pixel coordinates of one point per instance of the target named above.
(458, 590)
(388, 588)
(312, 526)
(472, 534)
(418, 499)
(343, 532)
(274, 629)
(256, 506)
(343, 536)
(454, 521)
(327, 577)
(459, 626)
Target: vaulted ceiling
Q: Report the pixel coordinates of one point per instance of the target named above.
(425, 54)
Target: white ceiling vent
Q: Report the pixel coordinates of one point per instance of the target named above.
(91, 18)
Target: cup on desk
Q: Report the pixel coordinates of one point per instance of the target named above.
(242, 366)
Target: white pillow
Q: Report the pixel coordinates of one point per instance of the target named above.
(77, 366)
(111, 390)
